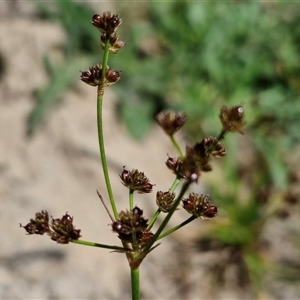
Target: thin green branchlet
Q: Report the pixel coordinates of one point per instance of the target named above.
(132, 228)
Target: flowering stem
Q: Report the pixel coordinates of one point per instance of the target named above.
(176, 146)
(131, 199)
(92, 244)
(221, 135)
(190, 219)
(168, 217)
(154, 218)
(131, 208)
(135, 284)
(100, 131)
(175, 184)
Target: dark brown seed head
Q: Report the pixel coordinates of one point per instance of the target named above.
(38, 225)
(92, 76)
(165, 200)
(130, 222)
(63, 230)
(112, 76)
(199, 206)
(106, 23)
(136, 181)
(232, 118)
(170, 121)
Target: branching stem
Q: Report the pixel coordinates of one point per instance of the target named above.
(168, 217)
(92, 244)
(190, 219)
(176, 146)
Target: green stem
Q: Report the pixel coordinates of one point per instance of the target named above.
(131, 204)
(104, 62)
(168, 217)
(221, 135)
(154, 218)
(135, 284)
(92, 244)
(100, 131)
(176, 146)
(190, 219)
(175, 184)
(131, 199)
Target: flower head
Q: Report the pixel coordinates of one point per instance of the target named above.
(197, 159)
(208, 147)
(112, 76)
(114, 43)
(170, 121)
(93, 76)
(186, 168)
(60, 230)
(136, 181)
(232, 118)
(165, 200)
(199, 206)
(39, 225)
(130, 222)
(63, 230)
(106, 23)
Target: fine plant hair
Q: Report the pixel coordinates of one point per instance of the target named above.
(133, 229)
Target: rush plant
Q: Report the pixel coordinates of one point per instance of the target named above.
(133, 229)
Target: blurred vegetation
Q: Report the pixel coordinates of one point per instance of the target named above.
(195, 57)
(78, 52)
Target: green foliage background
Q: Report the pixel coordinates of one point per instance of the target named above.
(210, 53)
